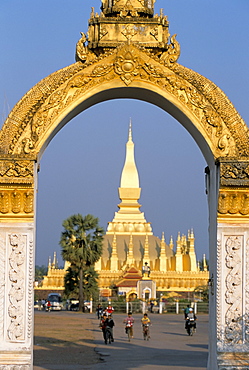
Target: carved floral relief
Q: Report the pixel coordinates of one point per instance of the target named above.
(127, 65)
(2, 283)
(247, 293)
(233, 294)
(17, 244)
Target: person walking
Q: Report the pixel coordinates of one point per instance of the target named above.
(186, 311)
(99, 310)
(109, 326)
(102, 325)
(48, 306)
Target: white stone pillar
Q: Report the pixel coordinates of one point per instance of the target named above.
(233, 295)
(17, 235)
(231, 280)
(16, 295)
(177, 307)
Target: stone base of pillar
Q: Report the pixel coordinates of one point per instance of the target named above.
(16, 360)
(233, 360)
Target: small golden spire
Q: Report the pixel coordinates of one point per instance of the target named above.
(146, 249)
(171, 243)
(130, 131)
(163, 238)
(204, 263)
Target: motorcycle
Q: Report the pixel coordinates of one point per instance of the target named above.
(190, 326)
(146, 332)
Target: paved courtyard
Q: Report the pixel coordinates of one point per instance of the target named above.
(72, 340)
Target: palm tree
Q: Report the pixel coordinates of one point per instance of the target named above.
(81, 243)
(90, 283)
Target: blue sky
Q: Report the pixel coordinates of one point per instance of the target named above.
(81, 168)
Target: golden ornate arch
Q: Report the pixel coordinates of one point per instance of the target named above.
(127, 70)
(43, 109)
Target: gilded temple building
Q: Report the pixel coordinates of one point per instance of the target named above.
(129, 244)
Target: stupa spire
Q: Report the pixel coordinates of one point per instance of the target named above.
(130, 256)
(129, 177)
(163, 257)
(114, 257)
(146, 250)
(130, 131)
(129, 218)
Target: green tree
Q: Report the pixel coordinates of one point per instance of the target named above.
(81, 243)
(203, 291)
(90, 283)
(40, 272)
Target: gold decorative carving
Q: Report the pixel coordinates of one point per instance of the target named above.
(234, 173)
(127, 64)
(103, 31)
(212, 119)
(154, 33)
(222, 106)
(4, 202)
(171, 55)
(28, 200)
(82, 51)
(102, 70)
(233, 202)
(129, 32)
(156, 62)
(17, 202)
(16, 169)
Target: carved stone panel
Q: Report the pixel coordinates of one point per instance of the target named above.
(16, 284)
(232, 291)
(2, 283)
(16, 295)
(16, 287)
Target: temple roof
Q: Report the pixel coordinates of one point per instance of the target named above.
(130, 278)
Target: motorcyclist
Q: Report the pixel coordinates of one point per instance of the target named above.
(129, 321)
(191, 317)
(145, 322)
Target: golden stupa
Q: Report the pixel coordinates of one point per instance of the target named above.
(129, 244)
